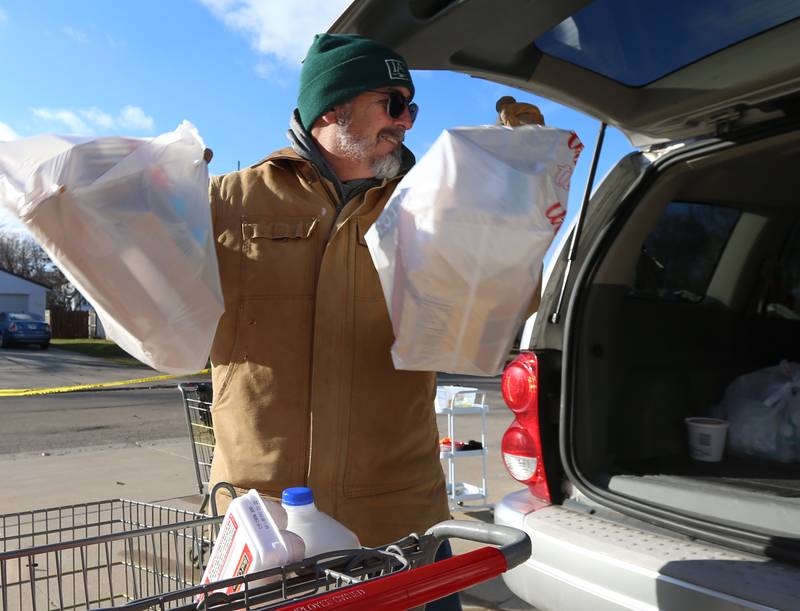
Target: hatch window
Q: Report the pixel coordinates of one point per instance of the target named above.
(636, 42)
(782, 298)
(680, 255)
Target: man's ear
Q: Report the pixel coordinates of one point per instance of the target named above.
(329, 117)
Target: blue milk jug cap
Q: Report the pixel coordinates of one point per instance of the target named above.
(297, 496)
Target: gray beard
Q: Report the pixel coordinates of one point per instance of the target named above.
(358, 149)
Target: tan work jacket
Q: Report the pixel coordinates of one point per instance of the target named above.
(305, 390)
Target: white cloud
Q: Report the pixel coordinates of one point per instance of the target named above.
(281, 31)
(7, 133)
(65, 117)
(75, 34)
(134, 118)
(98, 117)
(9, 223)
(87, 121)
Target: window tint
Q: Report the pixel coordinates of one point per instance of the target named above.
(637, 42)
(680, 255)
(783, 287)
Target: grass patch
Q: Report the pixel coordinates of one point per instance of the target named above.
(101, 348)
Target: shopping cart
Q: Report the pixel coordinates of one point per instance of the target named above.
(101, 554)
(197, 402)
(137, 555)
(398, 576)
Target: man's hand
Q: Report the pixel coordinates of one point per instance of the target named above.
(514, 114)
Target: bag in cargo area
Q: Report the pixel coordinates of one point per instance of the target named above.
(763, 412)
(460, 244)
(128, 222)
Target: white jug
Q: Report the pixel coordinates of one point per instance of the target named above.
(320, 532)
(252, 538)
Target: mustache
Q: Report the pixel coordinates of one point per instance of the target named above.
(395, 133)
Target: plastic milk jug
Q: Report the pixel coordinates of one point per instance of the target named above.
(252, 538)
(320, 532)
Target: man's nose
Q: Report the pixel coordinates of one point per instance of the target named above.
(404, 120)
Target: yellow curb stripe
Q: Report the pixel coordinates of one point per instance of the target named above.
(27, 392)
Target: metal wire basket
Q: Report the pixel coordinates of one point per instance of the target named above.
(100, 554)
(398, 576)
(145, 557)
(197, 402)
(278, 587)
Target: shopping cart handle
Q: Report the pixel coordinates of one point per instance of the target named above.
(514, 544)
(420, 585)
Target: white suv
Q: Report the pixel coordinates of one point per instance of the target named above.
(681, 273)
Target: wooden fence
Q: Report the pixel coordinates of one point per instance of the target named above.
(69, 325)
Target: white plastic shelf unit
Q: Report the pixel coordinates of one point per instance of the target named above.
(455, 401)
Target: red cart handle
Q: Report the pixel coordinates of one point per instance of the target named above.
(413, 587)
(417, 586)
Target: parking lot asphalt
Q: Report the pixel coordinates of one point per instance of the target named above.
(161, 469)
(23, 367)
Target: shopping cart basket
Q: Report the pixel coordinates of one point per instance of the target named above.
(197, 402)
(398, 576)
(100, 554)
(142, 556)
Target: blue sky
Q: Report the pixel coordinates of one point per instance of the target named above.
(229, 66)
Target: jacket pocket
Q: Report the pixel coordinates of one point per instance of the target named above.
(368, 284)
(278, 256)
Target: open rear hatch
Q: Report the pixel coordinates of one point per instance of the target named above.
(658, 71)
(646, 355)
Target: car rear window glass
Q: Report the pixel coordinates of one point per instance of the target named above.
(637, 42)
(782, 299)
(23, 317)
(680, 255)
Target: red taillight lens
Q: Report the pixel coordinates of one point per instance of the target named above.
(520, 453)
(520, 384)
(12, 327)
(522, 444)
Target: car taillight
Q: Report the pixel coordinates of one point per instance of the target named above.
(12, 327)
(522, 443)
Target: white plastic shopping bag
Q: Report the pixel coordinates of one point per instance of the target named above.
(763, 412)
(460, 244)
(128, 222)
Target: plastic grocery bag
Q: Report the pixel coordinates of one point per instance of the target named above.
(128, 222)
(459, 246)
(763, 411)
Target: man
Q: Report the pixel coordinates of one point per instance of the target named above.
(305, 391)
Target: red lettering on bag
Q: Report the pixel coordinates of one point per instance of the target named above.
(556, 214)
(574, 144)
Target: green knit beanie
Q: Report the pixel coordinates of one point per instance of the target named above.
(338, 67)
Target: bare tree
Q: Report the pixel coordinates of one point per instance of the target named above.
(21, 255)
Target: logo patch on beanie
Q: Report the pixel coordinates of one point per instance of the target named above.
(397, 70)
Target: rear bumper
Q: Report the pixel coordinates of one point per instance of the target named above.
(27, 338)
(580, 561)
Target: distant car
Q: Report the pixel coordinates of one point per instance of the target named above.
(23, 328)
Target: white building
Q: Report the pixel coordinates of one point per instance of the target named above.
(18, 294)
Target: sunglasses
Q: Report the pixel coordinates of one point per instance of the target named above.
(396, 103)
